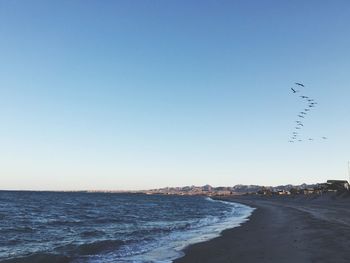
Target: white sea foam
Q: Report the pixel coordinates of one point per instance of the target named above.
(171, 247)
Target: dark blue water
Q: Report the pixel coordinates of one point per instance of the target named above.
(102, 227)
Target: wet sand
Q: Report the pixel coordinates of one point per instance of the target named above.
(283, 230)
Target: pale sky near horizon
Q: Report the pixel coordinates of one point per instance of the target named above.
(145, 94)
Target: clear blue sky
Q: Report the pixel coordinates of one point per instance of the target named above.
(143, 94)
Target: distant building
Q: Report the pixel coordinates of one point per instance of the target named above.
(207, 188)
(265, 191)
(283, 192)
(338, 185)
(309, 191)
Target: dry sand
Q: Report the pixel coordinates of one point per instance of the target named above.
(282, 229)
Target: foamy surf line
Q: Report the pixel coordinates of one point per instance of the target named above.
(144, 235)
(172, 247)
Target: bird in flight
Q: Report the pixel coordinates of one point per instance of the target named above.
(304, 97)
(324, 138)
(300, 124)
(294, 91)
(310, 139)
(306, 109)
(303, 113)
(299, 84)
(301, 116)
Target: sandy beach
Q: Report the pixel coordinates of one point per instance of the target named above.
(282, 229)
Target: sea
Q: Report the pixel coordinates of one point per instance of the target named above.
(108, 227)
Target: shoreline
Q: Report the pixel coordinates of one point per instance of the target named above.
(205, 234)
(281, 229)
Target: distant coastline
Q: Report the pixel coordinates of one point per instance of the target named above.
(208, 190)
(303, 189)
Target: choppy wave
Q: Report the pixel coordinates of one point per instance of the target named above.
(93, 248)
(68, 227)
(40, 258)
(203, 230)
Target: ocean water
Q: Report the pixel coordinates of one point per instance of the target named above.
(104, 227)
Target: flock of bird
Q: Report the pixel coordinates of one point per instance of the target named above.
(310, 105)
